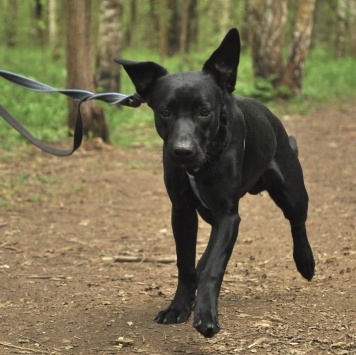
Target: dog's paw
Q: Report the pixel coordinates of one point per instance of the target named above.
(304, 261)
(173, 315)
(208, 326)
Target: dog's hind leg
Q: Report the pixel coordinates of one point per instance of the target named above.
(284, 183)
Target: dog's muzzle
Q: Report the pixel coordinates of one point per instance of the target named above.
(186, 155)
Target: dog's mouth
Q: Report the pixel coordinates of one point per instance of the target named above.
(188, 159)
(190, 166)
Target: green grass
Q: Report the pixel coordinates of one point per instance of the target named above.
(26, 186)
(326, 80)
(43, 115)
(329, 79)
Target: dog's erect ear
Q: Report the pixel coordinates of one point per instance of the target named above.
(224, 61)
(143, 75)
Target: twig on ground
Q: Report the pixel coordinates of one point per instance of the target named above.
(47, 277)
(142, 259)
(9, 345)
(37, 342)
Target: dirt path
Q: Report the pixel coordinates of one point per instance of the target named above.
(64, 222)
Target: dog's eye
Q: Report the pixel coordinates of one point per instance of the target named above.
(204, 112)
(165, 113)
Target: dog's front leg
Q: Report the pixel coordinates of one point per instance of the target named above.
(185, 227)
(211, 269)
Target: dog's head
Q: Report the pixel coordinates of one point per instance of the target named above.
(187, 106)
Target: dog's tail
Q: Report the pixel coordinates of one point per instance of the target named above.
(293, 144)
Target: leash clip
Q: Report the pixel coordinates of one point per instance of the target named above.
(133, 100)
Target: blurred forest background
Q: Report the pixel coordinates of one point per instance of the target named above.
(296, 54)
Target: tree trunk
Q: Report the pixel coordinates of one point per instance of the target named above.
(267, 23)
(211, 11)
(52, 28)
(80, 66)
(130, 30)
(352, 23)
(153, 39)
(245, 26)
(293, 73)
(188, 25)
(10, 23)
(174, 26)
(225, 17)
(40, 25)
(109, 45)
(162, 19)
(183, 45)
(341, 28)
(192, 35)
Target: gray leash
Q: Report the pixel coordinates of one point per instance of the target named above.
(79, 96)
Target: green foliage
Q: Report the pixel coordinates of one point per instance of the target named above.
(329, 79)
(44, 115)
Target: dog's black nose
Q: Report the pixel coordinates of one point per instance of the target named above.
(182, 151)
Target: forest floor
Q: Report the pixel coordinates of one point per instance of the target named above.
(67, 225)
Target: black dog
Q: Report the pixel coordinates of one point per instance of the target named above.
(217, 148)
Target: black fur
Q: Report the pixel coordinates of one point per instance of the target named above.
(217, 148)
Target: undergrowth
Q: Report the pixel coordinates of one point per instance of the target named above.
(325, 81)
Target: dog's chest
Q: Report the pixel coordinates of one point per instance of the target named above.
(194, 187)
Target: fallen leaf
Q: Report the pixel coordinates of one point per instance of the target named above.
(123, 341)
(257, 342)
(263, 324)
(84, 222)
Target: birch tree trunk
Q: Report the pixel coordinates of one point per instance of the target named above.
(341, 28)
(109, 45)
(267, 20)
(52, 28)
(352, 23)
(293, 73)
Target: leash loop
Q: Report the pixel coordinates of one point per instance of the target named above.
(79, 96)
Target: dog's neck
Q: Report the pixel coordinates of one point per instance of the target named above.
(193, 183)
